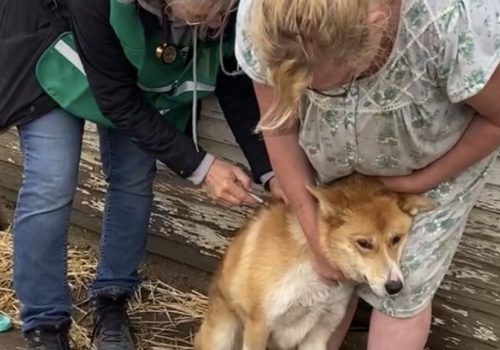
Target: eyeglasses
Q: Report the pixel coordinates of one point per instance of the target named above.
(343, 94)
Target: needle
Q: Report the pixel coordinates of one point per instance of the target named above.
(258, 199)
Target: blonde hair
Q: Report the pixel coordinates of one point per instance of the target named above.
(292, 36)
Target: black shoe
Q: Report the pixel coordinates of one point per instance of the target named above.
(111, 328)
(48, 338)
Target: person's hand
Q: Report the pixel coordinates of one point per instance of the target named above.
(416, 182)
(323, 267)
(276, 190)
(228, 185)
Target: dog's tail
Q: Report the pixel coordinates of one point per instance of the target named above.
(221, 328)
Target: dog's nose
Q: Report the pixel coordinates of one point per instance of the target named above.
(394, 287)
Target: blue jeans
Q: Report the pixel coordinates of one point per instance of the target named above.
(51, 147)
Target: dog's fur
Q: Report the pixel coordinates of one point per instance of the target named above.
(266, 293)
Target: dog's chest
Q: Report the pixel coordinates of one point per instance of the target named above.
(301, 299)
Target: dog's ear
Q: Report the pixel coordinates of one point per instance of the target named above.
(414, 204)
(326, 206)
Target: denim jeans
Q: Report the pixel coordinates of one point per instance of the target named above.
(51, 147)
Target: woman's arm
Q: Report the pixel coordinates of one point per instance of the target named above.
(237, 100)
(294, 172)
(481, 138)
(114, 84)
(290, 166)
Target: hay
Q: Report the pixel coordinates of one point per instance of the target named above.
(162, 316)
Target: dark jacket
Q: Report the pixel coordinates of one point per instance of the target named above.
(27, 27)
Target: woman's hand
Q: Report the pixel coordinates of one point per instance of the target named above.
(307, 215)
(323, 267)
(416, 182)
(228, 185)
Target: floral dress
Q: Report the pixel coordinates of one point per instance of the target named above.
(403, 118)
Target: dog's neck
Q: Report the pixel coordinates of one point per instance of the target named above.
(297, 233)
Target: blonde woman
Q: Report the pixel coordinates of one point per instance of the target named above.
(136, 68)
(404, 90)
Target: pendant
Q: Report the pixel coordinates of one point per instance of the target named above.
(166, 53)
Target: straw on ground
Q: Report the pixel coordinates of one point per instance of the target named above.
(162, 316)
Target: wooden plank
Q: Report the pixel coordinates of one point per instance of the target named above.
(494, 174)
(482, 252)
(469, 327)
(470, 297)
(211, 108)
(483, 225)
(216, 130)
(467, 304)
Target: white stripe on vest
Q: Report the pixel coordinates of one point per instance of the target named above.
(70, 54)
(188, 86)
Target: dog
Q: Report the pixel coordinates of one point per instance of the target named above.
(266, 294)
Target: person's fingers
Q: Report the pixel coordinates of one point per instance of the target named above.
(219, 196)
(236, 190)
(228, 200)
(224, 203)
(243, 178)
(235, 186)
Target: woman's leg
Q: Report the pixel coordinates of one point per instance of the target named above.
(388, 333)
(51, 152)
(130, 173)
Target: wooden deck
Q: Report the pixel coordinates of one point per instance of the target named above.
(188, 228)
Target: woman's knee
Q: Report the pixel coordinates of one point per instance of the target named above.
(127, 167)
(51, 147)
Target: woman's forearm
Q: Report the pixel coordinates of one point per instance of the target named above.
(294, 173)
(479, 140)
(291, 167)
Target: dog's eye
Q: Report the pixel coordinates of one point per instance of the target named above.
(365, 244)
(395, 240)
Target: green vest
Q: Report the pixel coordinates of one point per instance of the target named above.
(168, 87)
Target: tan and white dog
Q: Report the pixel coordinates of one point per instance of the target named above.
(266, 293)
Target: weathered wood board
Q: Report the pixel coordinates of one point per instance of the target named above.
(187, 227)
